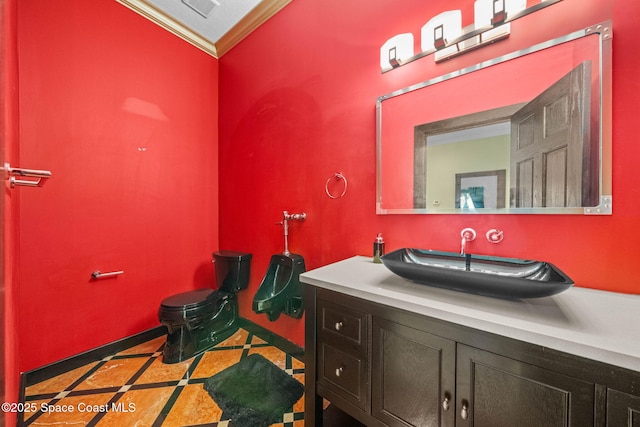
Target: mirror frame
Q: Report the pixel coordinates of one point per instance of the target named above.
(604, 32)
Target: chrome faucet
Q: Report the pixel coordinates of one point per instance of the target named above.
(468, 235)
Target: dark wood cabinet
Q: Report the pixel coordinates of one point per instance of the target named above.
(623, 410)
(413, 376)
(343, 361)
(496, 391)
(388, 367)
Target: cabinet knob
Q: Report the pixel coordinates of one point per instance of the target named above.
(339, 371)
(445, 403)
(464, 412)
(339, 325)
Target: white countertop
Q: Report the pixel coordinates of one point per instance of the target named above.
(598, 325)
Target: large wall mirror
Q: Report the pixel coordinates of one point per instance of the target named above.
(528, 132)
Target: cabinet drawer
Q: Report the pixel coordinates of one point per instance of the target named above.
(344, 375)
(343, 326)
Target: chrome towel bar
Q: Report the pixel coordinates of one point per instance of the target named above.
(98, 275)
(11, 174)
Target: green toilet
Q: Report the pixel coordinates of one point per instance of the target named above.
(198, 320)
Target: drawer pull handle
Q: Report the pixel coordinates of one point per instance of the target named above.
(445, 403)
(339, 371)
(339, 325)
(464, 412)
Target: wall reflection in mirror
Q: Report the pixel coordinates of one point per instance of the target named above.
(528, 132)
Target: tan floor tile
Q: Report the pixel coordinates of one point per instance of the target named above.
(213, 362)
(273, 354)
(257, 340)
(149, 402)
(161, 372)
(113, 373)
(137, 407)
(146, 347)
(184, 411)
(297, 364)
(80, 410)
(59, 383)
(33, 407)
(237, 339)
(299, 405)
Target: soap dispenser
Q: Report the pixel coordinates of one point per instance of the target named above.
(378, 249)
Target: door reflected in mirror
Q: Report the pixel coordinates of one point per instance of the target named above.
(528, 139)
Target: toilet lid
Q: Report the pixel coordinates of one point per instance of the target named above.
(188, 299)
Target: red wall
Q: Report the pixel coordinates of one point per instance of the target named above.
(137, 190)
(124, 114)
(298, 99)
(8, 205)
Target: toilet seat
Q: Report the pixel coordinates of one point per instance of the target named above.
(191, 304)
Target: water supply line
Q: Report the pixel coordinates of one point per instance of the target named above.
(286, 217)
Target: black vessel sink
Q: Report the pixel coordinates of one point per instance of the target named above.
(508, 278)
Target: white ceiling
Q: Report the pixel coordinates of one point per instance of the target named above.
(214, 26)
(223, 16)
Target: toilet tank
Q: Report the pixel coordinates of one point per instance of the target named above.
(232, 270)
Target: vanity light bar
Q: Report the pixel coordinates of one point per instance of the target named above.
(472, 37)
(475, 42)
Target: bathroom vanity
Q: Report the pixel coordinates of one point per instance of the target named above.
(391, 352)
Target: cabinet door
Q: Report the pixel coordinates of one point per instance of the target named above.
(413, 376)
(623, 410)
(495, 391)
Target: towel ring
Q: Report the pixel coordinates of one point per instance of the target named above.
(337, 176)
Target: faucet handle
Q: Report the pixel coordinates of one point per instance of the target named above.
(468, 234)
(495, 236)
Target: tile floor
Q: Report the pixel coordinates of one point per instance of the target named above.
(140, 390)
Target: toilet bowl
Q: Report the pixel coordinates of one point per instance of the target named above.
(198, 320)
(281, 290)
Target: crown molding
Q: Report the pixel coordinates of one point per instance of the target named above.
(259, 15)
(256, 17)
